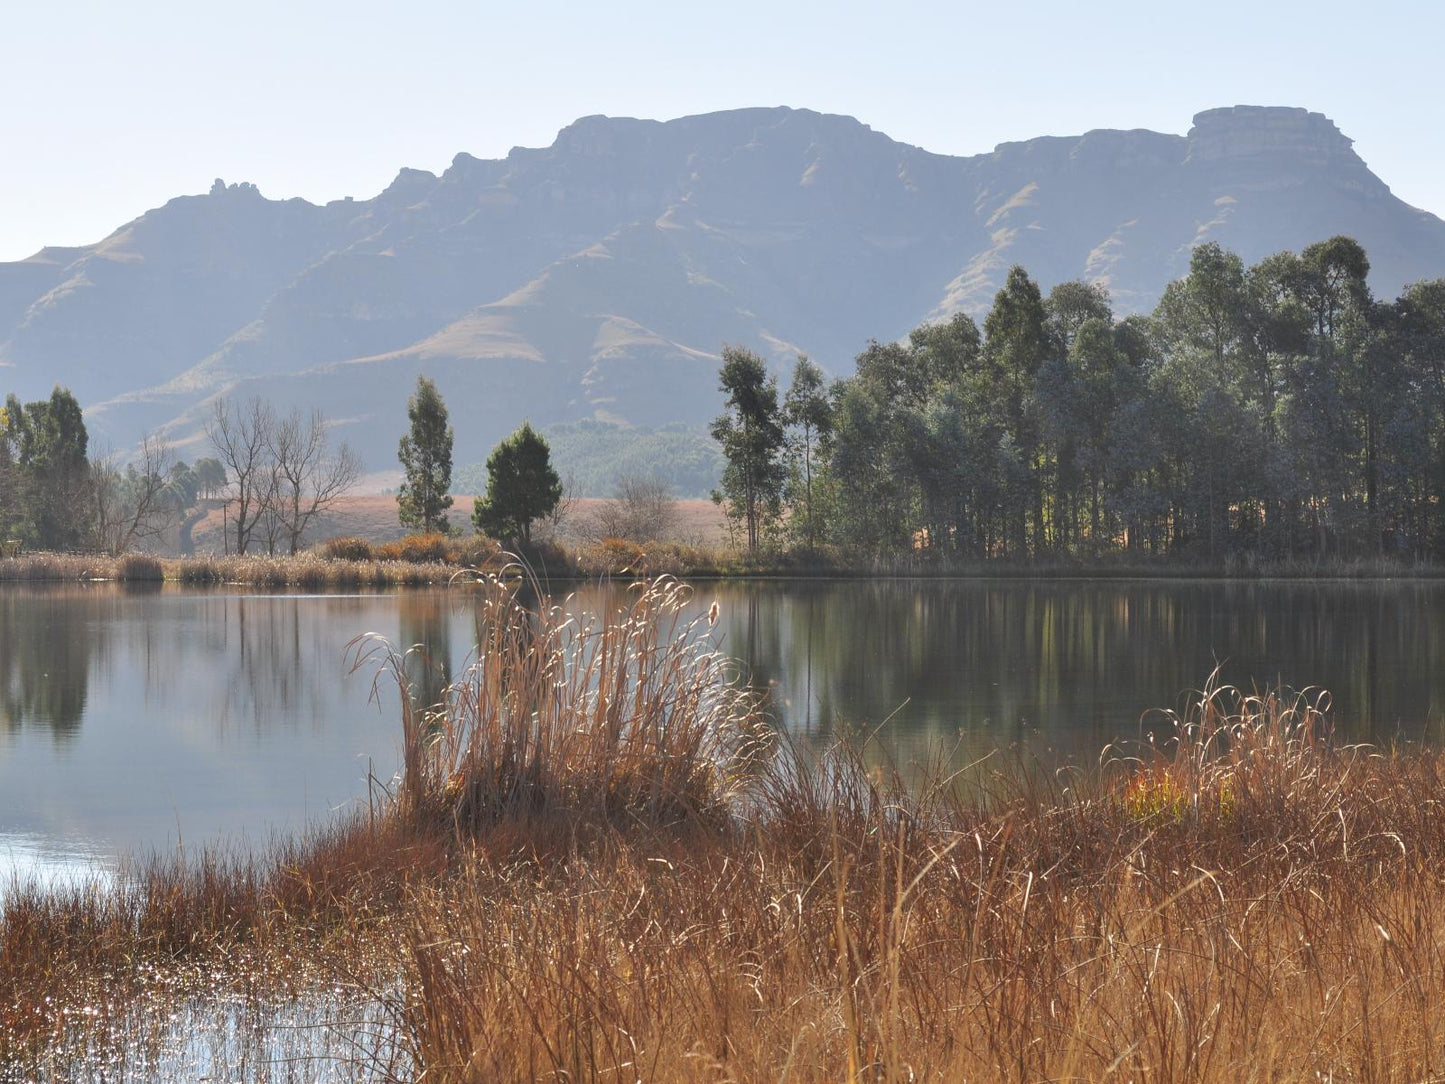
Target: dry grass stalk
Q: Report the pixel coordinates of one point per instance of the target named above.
(628, 718)
(1282, 920)
(75, 959)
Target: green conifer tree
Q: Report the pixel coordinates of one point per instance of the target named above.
(522, 487)
(426, 457)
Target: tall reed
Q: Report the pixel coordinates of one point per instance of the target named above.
(625, 717)
(1243, 902)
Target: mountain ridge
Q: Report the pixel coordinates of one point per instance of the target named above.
(599, 276)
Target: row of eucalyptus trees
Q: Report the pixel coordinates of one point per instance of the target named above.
(1277, 410)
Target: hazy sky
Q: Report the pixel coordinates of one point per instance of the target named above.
(110, 108)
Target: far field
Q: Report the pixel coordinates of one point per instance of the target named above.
(700, 522)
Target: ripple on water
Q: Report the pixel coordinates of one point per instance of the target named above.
(316, 1039)
(28, 860)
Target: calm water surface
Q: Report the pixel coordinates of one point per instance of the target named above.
(133, 721)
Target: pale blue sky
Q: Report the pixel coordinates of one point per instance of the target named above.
(109, 108)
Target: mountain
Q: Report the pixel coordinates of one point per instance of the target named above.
(597, 278)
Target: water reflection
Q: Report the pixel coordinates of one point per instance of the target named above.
(142, 720)
(1073, 665)
(137, 721)
(45, 661)
(426, 620)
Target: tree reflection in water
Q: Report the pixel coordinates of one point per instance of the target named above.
(1072, 665)
(425, 631)
(45, 660)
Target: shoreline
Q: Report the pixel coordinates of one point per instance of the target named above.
(313, 571)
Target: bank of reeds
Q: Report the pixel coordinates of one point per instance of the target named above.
(628, 718)
(1242, 902)
(420, 560)
(310, 571)
(40, 567)
(168, 930)
(625, 559)
(306, 570)
(620, 878)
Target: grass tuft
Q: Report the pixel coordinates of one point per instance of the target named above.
(628, 718)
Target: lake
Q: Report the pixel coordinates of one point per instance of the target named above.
(149, 719)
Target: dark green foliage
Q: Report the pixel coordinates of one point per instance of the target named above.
(1273, 412)
(808, 414)
(522, 487)
(44, 473)
(426, 457)
(11, 512)
(750, 431)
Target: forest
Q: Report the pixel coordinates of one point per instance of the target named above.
(1276, 412)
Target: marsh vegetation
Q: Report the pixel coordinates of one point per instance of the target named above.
(599, 859)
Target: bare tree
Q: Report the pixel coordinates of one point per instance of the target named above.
(135, 505)
(310, 476)
(642, 510)
(554, 526)
(242, 438)
(269, 529)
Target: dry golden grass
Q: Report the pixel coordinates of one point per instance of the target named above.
(74, 960)
(1272, 911)
(594, 868)
(305, 570)
(626, 718)
(309, 570)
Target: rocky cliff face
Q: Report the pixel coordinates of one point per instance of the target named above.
(1292, 142)
(598, 277)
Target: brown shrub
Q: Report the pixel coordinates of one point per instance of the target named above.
(135, 567)
(475, 551)
(348, 548)
(417, 549)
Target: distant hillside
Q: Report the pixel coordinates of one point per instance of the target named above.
(597, 278)
(592, 456)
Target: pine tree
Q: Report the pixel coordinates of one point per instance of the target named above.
(522, 487)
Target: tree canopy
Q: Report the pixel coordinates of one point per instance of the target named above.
(426, 459)
(44, 471)
(1276, 411)
(750, 430)
(522, 487)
